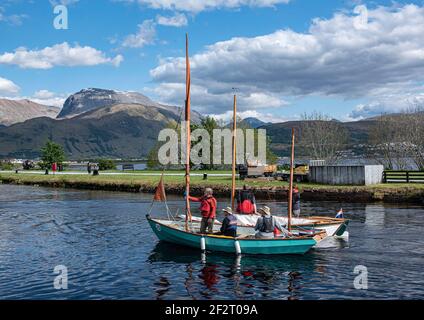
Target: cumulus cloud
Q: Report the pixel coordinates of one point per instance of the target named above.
(201, 5)
(146, 35)
(227, 116)
(178, 20)
(336, 57)
(44, 97)
(8, 87)
(58, 55)
(49, 98)
(391, 103)
(208, 102)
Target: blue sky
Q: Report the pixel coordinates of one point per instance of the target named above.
(283, 60)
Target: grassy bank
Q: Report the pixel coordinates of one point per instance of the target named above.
(264, 189)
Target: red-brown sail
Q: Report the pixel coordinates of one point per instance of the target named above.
(188, 135)
(160, 194)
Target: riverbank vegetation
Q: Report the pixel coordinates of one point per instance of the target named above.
(264, 189)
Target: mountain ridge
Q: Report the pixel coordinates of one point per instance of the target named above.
(119, 134)
(95, 98)
(16, 111)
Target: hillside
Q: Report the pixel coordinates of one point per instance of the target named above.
(280, 134)
(253, 122)
(119, 131)
(15, 111)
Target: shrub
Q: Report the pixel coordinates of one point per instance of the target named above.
(105, 164)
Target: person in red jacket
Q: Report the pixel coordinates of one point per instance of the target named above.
(208, 209)
(246, 202)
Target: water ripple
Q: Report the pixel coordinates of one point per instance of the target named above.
(111, 253)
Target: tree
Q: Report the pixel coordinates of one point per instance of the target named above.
(386, 142)
(209, 124)
(321, 137)
(106, 164)
(397, 140)
(414, 132)
(52, 153)
(152, 158)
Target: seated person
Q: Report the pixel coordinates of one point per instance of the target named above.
(266, 225)
(246, 203)
(229, 224)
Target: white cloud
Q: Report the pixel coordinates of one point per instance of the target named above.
(44, 94)
(56, 100)
(146, 35)
(58, 55)
(266, 117)
(13, 19)
(8, 87)
(178, 20)
(209, 102)
(334, 58)
(44, 97)
(201, 5)
(390, 103)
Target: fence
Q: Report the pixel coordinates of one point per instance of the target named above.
(403, 176)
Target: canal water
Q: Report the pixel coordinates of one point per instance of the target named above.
(104, 241)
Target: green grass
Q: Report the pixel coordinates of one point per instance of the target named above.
(196, 181)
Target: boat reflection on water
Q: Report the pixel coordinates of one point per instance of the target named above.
(210, 275)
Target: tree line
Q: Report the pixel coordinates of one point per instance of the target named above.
(395, 140)
(209, 124)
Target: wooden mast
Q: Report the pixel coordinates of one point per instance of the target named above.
(290, 201)
(188, 135)
(233, 189)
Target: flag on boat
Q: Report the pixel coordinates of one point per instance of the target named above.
(339, 214)
(160, 191)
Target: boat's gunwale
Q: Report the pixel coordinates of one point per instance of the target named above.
(233, 238)
(315, 220)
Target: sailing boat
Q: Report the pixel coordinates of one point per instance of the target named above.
(335, 227)
(185, 233)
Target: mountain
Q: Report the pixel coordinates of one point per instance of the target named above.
(253, 122)
(94, 123)
(118, 131)
(15, 111)
(94, 98)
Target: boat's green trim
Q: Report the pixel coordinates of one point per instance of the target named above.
(341, 230)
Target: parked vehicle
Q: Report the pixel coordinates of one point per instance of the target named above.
(256, 171)
(301, 173)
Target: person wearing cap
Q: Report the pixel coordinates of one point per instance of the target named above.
(266, 225)
(229, 224)
(208, 209)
